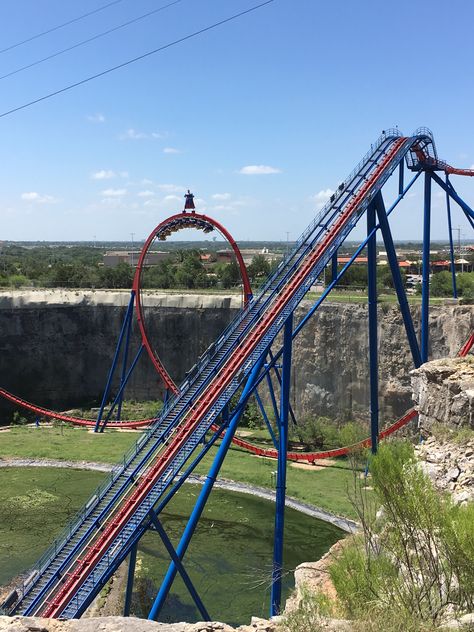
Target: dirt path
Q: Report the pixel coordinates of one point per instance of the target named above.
(349, 526)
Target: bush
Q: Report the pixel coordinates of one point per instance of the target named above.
(416, 562)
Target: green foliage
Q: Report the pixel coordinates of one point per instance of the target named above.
(317, 433)
(441, 284)
(307, 616)
(416, 561)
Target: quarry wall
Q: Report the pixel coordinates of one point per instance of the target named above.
(56, 347)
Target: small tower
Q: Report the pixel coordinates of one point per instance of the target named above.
(189, 202)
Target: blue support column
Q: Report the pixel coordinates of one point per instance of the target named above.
(130, 577)
(425, 281)
(401, 172)
(128, 317)
(121, 389)
(373, 340)
(265, 418)
(206, 490)
(281, 475)
(334, 267)
(397, 279)
(182, 571)
(451, 244)
(125, 360)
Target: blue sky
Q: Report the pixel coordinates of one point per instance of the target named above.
(261, 118)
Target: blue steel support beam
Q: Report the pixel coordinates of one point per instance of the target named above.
(182, 571)
(451, 244)
(278, 376)
(425, 281)
(125, 360)
(334, 266)
(272, 394)
(373, 342)
(128, 317)
(401, 175)
(130, 577)
(450, 189)
(206, 490)
(121, 389)
(265, 418)
(397, 279)
(281, 474)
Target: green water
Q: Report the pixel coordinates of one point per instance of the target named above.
(229, 558)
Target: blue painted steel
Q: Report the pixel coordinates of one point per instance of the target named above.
(397, 280)
(206, 490)
(272, 391)
(278, 376)
(130, 577)
(124, 364)
(177, 562)
(277, 568)
(118, 397)
(452, 192)
(334, 266)
(401, 172)
(425, 281)
(451, 244)
(265, 418)
(373, 339)
(128, 317)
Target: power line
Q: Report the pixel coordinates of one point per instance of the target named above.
(135, 59)
(60, 26)
(90, 39)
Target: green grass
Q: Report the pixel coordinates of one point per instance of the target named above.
(65, 443)
(324, 487)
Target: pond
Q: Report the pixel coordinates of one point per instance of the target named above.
(229, 558)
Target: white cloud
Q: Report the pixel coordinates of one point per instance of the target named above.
(123, 174)
(221, 196)
(171, 198)
(171, 150)
(257, 170)
(322, 197)
(34, 196)
(133, 134)
(114, 192)
(146, 193)
(471, 167)
(96, 118)
(171, 188)
(104, 174)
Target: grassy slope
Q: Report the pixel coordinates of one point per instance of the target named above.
(325, 487)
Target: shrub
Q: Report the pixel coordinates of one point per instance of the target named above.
(416, 562)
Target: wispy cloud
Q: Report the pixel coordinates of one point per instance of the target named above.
(98, 117)
(104, 174)
(146, 194)
(258, 170)
(114, 192)
(171, 188)
(34, 196)
(221, 196)
(133, 134)
(322, 197)
(171, 150)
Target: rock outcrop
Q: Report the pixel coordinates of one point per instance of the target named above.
(443, 392)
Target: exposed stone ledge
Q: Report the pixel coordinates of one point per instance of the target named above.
(57, 297)
(443, 391)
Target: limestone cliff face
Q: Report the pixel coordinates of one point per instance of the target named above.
(56, 348)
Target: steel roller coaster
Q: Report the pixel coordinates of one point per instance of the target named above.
(216, 391)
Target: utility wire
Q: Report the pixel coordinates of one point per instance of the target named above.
(60, 26)
(90, 39)
(135, 59)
